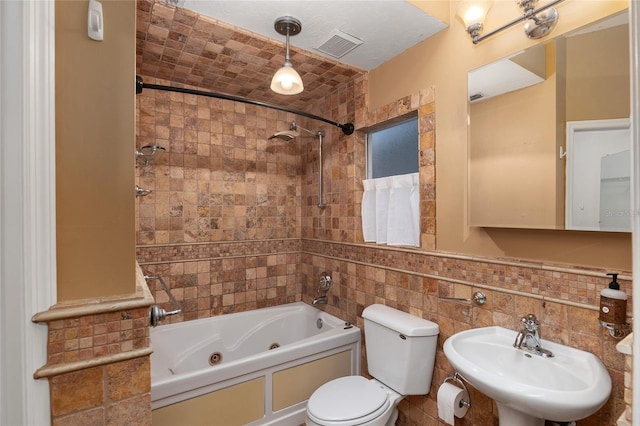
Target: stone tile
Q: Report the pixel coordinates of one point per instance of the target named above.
(128, 378)
(93, 417)
(132, 411)
(76, 391)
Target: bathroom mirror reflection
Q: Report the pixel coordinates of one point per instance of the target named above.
(540, 153)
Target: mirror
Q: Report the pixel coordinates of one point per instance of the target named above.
(547, 146)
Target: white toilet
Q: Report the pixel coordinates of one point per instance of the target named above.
(401, 352)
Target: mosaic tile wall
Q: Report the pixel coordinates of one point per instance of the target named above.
(222, 223)
(414, 282)
(220, 284)
(92, 336)
(220, 179)
(97, 383)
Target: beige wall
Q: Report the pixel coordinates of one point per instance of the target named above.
(95, 117)
(598, 75)
(443, 62)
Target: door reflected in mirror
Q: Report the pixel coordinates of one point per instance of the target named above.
(520, 111)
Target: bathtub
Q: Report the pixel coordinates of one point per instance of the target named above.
(256, 367)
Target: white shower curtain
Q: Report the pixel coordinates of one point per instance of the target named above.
(391, 210)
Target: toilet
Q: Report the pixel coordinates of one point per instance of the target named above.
(401, 352)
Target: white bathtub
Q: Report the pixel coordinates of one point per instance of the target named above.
(240, 343)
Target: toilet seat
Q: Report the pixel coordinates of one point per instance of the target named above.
(347, 401)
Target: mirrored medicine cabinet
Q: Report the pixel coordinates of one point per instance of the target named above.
(549, 134)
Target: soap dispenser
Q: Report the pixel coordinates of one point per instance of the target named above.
(613, 303)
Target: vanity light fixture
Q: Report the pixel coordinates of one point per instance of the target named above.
(286, 80)
(473, 13)
(539, 21)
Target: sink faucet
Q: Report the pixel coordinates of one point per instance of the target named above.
(528, 338)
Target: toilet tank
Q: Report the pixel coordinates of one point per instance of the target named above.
(401, 349)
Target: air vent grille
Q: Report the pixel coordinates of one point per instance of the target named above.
(338, 44)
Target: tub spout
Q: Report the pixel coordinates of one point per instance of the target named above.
(320, 300)
(156, 313)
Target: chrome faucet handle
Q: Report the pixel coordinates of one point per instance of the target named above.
(530, 322)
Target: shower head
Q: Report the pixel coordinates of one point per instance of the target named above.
(292, 133)
(285, 135)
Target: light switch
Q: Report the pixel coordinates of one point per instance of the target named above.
(95, 22)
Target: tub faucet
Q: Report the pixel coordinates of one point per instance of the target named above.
(319, 300)
(528, 338)
(156, 313)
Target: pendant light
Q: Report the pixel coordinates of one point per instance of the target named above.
(286, 80)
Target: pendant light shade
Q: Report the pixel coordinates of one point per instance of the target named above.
(286, 80)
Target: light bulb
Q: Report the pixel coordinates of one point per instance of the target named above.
(473, 11)
(287, 81)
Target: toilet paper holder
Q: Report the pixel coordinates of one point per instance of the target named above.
(457, 377)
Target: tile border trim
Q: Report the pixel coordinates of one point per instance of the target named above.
(49, 371)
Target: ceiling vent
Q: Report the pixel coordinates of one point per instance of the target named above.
(338, 44)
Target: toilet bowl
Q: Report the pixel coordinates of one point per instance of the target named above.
(401, 350)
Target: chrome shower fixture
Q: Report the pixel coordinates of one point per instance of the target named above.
(141, 192)
(286, 135)
(156, 313)
(146, 153)
(294, 127)
(292, 133)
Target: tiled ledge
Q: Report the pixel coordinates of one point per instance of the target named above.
(68, 367)
(96, 332)
(625, 346)
(142, 298)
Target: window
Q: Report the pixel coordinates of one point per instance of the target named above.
(391, 196)
(393, 150)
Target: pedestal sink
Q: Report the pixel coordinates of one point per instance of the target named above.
(528, 388)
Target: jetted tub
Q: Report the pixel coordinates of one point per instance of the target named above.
(256, 367)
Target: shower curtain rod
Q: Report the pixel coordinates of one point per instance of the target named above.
(347, 128)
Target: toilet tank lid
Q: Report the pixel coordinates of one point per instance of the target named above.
(402, 322)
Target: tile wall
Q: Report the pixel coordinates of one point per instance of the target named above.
(222, 223)
(233, 224)
(198, 229)
(98, 362)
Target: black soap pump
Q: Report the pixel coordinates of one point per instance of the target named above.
(613, 303)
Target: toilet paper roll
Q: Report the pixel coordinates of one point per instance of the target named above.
(449, 405)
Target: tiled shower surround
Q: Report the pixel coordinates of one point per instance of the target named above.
(232, 225)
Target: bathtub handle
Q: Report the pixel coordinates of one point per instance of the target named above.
(157, 314)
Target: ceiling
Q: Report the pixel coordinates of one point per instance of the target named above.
(385, 27)
(231, 47)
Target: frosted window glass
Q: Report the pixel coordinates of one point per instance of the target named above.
(393, 150)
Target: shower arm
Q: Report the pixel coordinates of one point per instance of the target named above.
(347, 128)
(320, 136)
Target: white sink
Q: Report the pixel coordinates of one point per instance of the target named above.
(528, 388)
